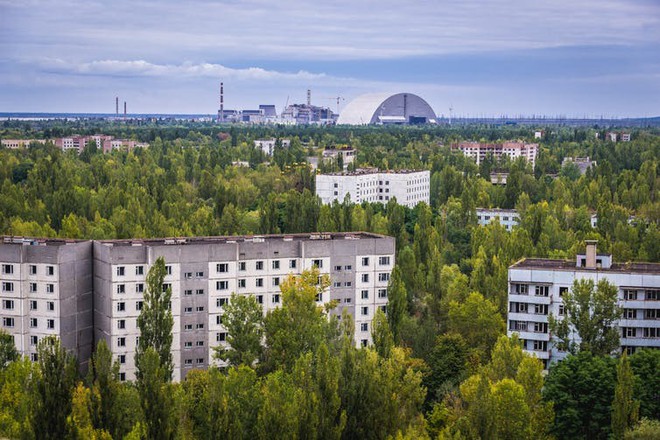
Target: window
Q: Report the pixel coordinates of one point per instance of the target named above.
(7, 287)
(365, 277)
(541, 345)
(629, 294)
(241, 265)
(520, 289)
(541, 327)
(222, 267)
(34, 340)
(337, 284)
(122, 358)
(383, 261)
(383, 277)
(166, 286)
(121, 288)
(199, 326)
(34, 323)
(542, 290)
(241, 283)
(652, 332)
(187, 344)
(139, 270)
(122, 377)
(276, 264)
(121, 306)
(364, 294)
(292, 264)
(8, 322)
(218, 319)
(561, 310)
(562, 291)
(365, 261)
(199, 308)
(187, 309)
(200, 360)
(259, 265)
(348, 300)
(199, 292)
(199, 343)
(317, 263)
(382, 293)
(365, 311)
(652, 295)
(348, 284)
(8, 304)
(50, 306)
(33, 269)
(187, 275)
(221, 337)
(348, 267)
(188, 361)
(222, 285)
(337, 268)
(121, 270)
(50, 270)
(199, 274)
(318, 297)
(364, 327)
(33, 287)
(7, 269)
(259, 282)
(121, 324)
(187, 292)
(630, 332)
(276, 281)
(168, 270)
(364, 342)
(276, 298)
(221, 302)
(33, 305)
(652, 314)
(50, 324)
(260, 299)
(138, 305)
(188, 327)
(629, 313)
(34, 357)
(139, 288)
(121, 342)
(50, 288)
(541, 309)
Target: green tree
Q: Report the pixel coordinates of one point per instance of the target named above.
(647, 429)
(243, 319)
(52, 389)
(397, 303)
(381, 334)
(16, 407)
(8, 352)
(591, 313)
(645, 365)
(625, 409)
(155, 320)
(155, 396)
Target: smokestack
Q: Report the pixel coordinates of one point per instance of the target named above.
(309, 97)
(124, 109)
(117, 105)
(221, 112)
(591, 254)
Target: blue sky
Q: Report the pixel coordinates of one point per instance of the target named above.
(485, 57)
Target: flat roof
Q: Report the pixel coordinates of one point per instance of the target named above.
(36, 241)
(548, 264)
(366, 171)
(509, 211)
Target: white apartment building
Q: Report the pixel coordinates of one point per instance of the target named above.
(204, 272)
(409, 187)
(536, 287)
(46, 289)
(479, 151)
(507, 217)
(268, 145)
(347, 155)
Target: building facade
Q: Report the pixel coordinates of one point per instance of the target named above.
(536, 287)
(479, 151)
(409, 187)
(47, 290)
(268, 145)
(507, 217)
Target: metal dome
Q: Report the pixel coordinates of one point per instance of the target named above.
(385, 108)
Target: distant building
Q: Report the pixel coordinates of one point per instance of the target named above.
(614, 136)
(387, 109)
(537, 285)
(507, 217)
(538, 134)
(625, 137)
(308, 114)
(583, 163)
(16, 144)
(479, 151)
(268, 111)
(347, 155)
(499, 178)
(268, 145)
(409, 187)
(122, 144)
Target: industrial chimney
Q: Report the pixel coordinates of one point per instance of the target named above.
(591, 254)
(117, 105)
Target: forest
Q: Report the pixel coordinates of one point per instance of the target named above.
(441, 365)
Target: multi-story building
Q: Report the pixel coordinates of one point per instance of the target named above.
(507, 217)
(16, 144)
(204, 272)
(347, 155)
(268, 145)
(409, 187)
(47, 290)
(479, 151)
(582, 163)
(536, 287)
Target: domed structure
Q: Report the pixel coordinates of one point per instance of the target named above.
(384, 108)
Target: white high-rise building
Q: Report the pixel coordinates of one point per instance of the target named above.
(536, 287)
(479, 151)
(507, 217)
(409, 187)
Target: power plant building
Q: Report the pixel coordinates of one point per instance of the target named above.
(384, 108)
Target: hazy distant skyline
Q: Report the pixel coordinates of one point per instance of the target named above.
(487, 57)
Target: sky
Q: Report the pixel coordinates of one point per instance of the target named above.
(574, 58)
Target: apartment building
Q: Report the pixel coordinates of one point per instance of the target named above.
(16, 144)
(536, 287)
(507, 217)
(479, 151)
(204, 272)
(371, 185)
(268, 145)
(47, 290)
(347, 155)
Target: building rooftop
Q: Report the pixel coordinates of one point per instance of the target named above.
(366, 171)
(505, 211)
(548, 264)
(31, 241)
